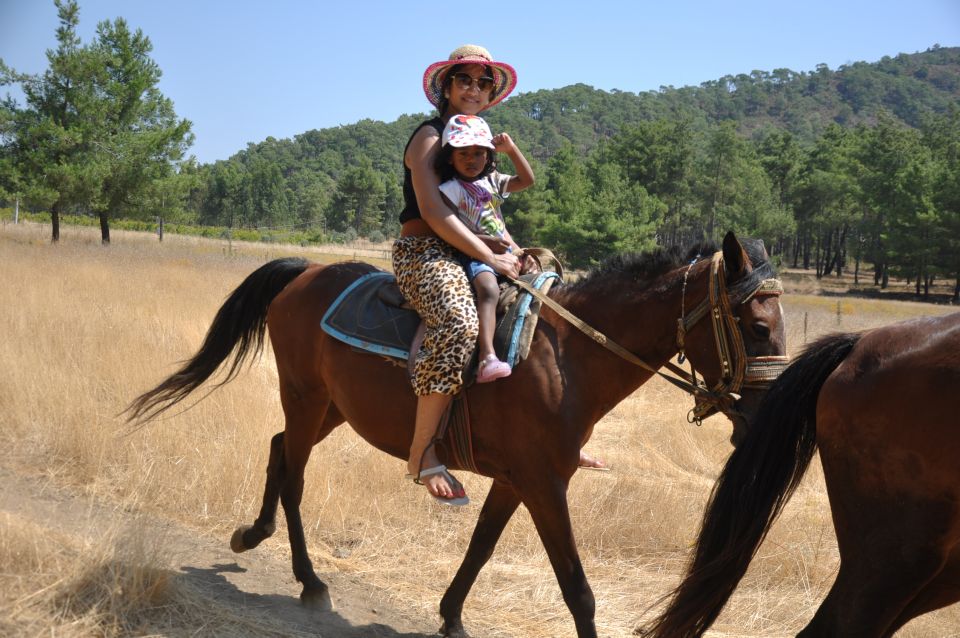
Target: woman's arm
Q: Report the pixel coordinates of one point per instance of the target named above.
(443, 221)
(503, 143)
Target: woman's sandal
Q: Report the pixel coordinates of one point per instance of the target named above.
(459, 494)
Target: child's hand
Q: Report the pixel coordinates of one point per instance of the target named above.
(497, 245)
(503, 143)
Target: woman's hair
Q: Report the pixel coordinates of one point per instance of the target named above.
(445, 168)
(444, 102)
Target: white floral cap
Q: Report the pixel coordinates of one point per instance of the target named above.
(467, 130)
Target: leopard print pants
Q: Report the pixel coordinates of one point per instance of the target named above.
(435, 284)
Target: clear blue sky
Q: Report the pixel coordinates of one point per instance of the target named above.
(242, 71)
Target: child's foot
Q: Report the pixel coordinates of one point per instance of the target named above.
(491, 369)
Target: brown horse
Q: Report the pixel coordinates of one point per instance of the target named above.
(880, 408)
(528, 429)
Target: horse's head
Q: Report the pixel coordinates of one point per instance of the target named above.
(735, 337)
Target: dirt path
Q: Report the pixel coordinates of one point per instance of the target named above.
(253, 585)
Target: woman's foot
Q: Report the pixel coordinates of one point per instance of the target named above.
(443, 486)
(492, 369)
(434, 476)
(588, 462)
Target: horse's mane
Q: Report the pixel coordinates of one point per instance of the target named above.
(646, 266)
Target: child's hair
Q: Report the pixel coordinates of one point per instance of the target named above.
(445, 168)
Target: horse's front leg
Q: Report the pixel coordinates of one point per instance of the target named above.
(499, 506)
(547, 502)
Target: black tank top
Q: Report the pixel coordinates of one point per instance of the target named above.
(411, 210)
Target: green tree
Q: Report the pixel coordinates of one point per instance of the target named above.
(658, 156)
(309, 194)
(359, 200)
(886, 152)
(166, 199)
(941, 135)
(568, 225)
(782, 160)
(733, 189)
(225, 201)
(267, 194)
(95, 131)
(52, 140)
(526, 212)
(827, 205)
(138, 136)
(624, 215)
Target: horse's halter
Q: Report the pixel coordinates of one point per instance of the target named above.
(737, 370)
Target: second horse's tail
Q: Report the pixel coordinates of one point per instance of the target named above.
(237, 330)
(757, 481)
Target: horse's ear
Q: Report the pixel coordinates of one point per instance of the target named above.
(735, 258)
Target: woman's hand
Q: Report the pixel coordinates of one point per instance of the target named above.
(506, 264)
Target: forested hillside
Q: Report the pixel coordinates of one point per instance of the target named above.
(832, 168)
(825, 165)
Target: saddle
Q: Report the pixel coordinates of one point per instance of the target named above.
(372, 315)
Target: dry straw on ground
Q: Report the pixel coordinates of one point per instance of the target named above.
(87, 328)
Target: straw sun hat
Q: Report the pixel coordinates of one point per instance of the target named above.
(504, 75)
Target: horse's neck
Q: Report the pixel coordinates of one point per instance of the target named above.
(642, 321)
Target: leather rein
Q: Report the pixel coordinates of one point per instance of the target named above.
(737, 369)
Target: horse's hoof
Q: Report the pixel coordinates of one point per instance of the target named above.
(236, 541)
(453, 630)
(318, 599)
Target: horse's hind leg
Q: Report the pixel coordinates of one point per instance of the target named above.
(499, 506)
(940, 592)
(309, 419)
(865, 600)
(249, 536)
(890, 552)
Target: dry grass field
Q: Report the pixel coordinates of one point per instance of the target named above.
(106, 531)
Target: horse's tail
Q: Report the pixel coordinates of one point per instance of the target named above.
(238, 329)
(757, 481)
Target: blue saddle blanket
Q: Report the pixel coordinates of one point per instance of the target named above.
(369, 316)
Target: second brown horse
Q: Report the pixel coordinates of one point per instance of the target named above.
(880, 407)
(528, 429)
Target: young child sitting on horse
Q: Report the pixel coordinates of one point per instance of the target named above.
(473, 187)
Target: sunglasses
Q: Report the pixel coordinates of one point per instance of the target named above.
(464, 82)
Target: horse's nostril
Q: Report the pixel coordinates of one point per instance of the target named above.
(761, 330)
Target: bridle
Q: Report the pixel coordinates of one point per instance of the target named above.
(738, 371)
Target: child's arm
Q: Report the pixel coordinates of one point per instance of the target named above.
(497, 245)
(502, 143)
